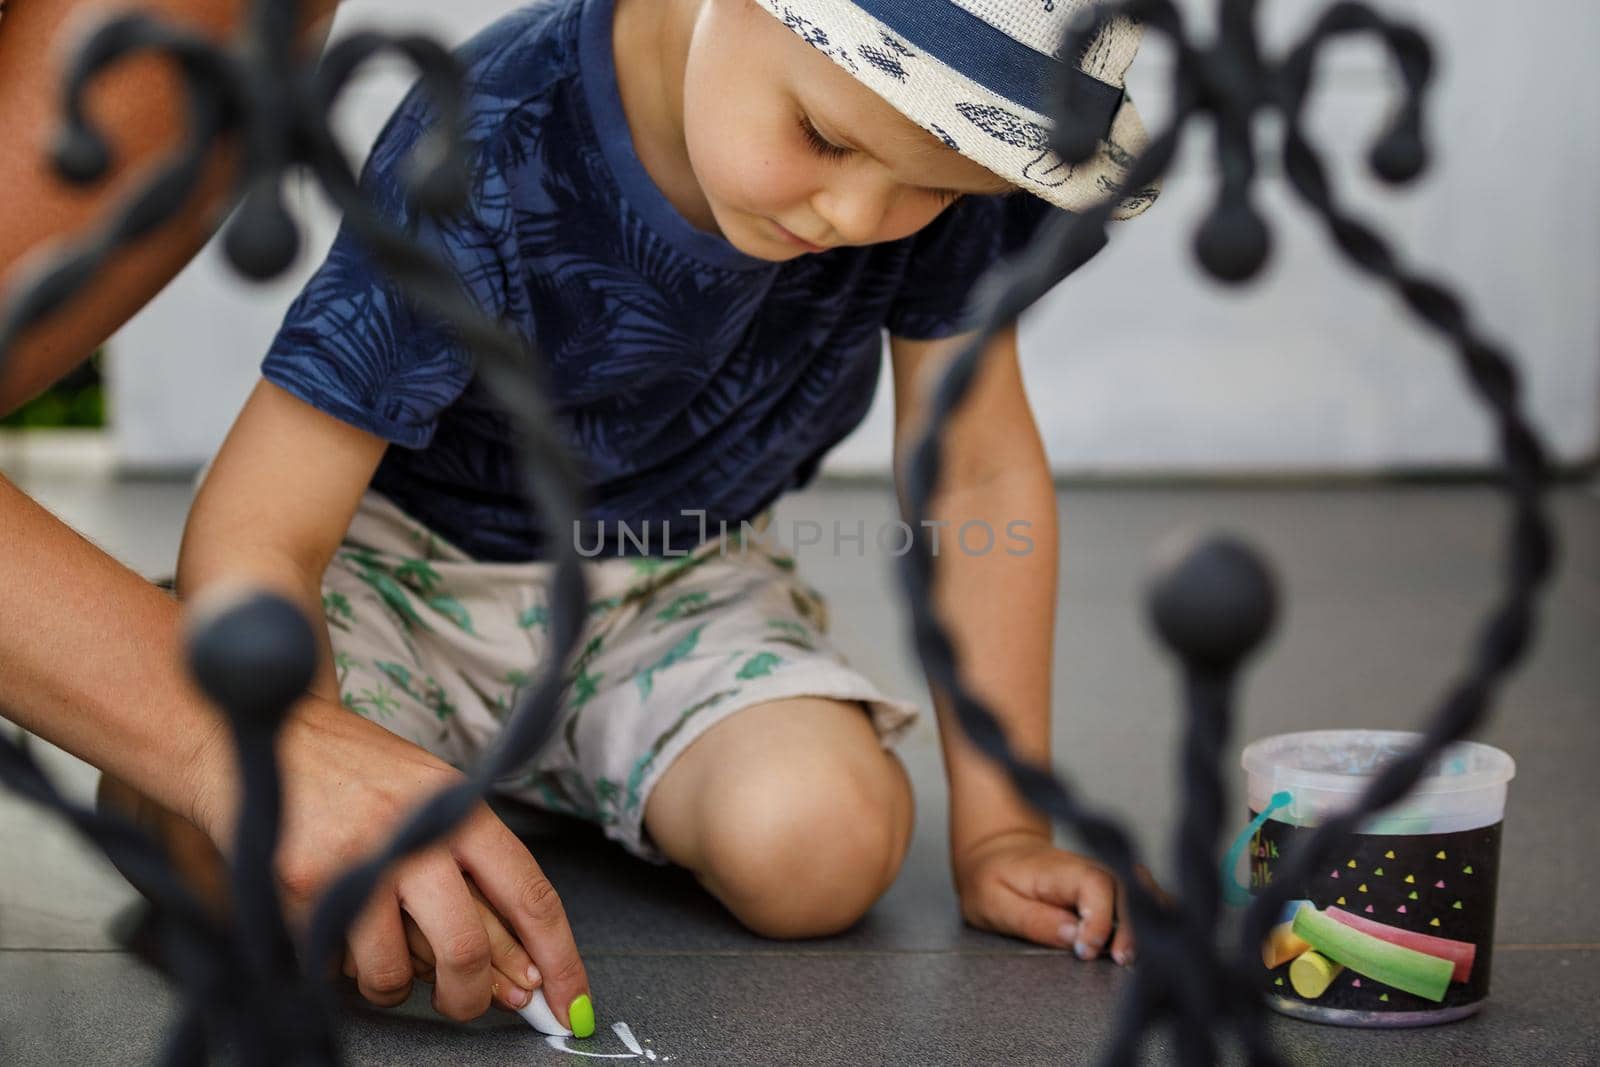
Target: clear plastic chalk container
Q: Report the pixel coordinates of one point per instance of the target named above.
(1398, 929)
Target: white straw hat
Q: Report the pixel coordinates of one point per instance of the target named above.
(980, 75)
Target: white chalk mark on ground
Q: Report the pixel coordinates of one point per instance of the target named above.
(624, 1034)
(560, 1044)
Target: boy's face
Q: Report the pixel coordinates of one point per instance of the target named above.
(781, 138)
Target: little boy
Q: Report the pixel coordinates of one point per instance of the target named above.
(704, 213)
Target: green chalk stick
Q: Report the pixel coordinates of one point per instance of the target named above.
(1393, 965)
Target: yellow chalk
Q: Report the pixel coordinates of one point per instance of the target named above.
(1312, 973)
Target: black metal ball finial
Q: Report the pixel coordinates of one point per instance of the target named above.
(1400, 156)
(1073, 137)
(1212, 602)
(1233, 242)
(80, 155)
(263, 240)
(253, 653)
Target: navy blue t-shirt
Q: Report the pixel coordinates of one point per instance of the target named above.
(684, 374)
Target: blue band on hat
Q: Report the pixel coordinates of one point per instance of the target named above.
(991, 57)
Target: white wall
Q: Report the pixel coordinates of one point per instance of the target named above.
(182, 367)
(1137, 364)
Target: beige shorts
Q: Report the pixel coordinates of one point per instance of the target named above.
(436, 647)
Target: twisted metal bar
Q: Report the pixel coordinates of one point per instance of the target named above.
(1189, 977)
(1212, 605)
(278, 1010)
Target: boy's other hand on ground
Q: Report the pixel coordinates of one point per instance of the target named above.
(1021, 885)
(348, 784)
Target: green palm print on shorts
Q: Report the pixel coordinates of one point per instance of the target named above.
(395, 589)
(642, 765)
(555, 794)
(789, 632)
(379, 703)
(689, 605)
(680, 651)
(584, 688)
(370, 570)
(419, 575)
(808, 603)
(504, 703)
(336, 609)
(431, 694)
(758, 666)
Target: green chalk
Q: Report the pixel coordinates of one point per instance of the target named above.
(1393, 965)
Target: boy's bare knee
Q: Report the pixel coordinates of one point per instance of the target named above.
(804, 851)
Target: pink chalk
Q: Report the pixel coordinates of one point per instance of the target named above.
(1357, 982)
(1369, 908)
(1439, 884)
(1460, 953)
(1333, 874)
(1401, 909)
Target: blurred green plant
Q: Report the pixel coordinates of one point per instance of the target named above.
(77, 401)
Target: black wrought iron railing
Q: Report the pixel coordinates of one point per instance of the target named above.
(250, 985)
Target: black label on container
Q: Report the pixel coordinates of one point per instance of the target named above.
(1433, 885)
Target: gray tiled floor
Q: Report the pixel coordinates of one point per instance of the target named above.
(1383, 587)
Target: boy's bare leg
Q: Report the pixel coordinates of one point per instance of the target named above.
(790, 812)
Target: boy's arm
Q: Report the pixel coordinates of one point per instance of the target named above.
(999, 607)
(275, 505)
(274, 508)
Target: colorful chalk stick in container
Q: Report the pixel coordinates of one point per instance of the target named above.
(1395, 927)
